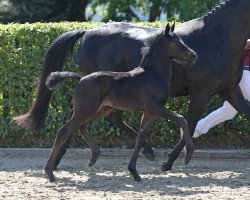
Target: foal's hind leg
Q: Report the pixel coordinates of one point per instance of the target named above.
(64, 133)
(143, 132)
(63, 149)
(95, 151)
(116, 119)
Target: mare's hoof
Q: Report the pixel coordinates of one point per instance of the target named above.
(149, 154)
(166, 167)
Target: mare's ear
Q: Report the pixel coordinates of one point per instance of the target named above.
(167, 29)
(172, 27)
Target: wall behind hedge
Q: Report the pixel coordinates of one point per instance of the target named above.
(22, 49)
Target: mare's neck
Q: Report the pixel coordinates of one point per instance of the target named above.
(230, 24)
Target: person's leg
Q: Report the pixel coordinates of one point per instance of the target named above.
(224, 113)
(245, 84)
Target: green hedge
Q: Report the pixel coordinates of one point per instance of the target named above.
(22, 49)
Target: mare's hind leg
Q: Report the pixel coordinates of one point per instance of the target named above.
(116, 119)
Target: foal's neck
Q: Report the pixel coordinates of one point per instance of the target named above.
(160, 65)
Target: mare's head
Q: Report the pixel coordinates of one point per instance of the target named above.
(172, 46)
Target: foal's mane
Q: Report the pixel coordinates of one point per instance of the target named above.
(148, 49)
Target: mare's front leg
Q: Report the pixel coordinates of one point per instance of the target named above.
(196, 106)
(238, 101)
(142, 134)
(116, 119)
(63, 135)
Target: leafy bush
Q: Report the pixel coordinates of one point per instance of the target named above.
(22, 50)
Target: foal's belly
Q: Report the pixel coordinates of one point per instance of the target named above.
(124, 102)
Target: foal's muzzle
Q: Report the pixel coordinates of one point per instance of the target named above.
(193, 56)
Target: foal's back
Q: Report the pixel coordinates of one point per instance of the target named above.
(119, 90)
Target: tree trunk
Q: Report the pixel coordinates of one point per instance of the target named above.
(155, 11)
(77, 10)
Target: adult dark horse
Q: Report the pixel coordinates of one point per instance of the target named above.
(218, 38)
(144, 88)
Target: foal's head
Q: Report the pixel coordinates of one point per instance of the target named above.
(172, 46)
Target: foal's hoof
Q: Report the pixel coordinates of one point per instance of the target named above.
(136, 176)
(50, 175)
(188, 154)
(94, 157)
(149, 154)
(166, 167)
(55, 167)
(91, 163)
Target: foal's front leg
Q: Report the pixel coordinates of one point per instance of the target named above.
(196, 106)
(116, 119)
(162, 112)
(143, 132)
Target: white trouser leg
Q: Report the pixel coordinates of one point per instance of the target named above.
(226, 112)
(245, 84)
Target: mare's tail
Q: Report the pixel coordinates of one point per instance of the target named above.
(56, 77)
(54, 60)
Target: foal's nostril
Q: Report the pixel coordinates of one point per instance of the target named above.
(194, 55)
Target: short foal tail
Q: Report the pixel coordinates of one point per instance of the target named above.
(54, 60)
(56, 77)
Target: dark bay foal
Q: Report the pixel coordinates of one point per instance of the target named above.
(145, 88)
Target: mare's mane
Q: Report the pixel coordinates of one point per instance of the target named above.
(224, 4)
(148, 48)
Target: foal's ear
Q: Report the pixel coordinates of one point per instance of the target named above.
(172, 27)
(167, 29)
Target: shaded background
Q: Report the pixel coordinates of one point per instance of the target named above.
(102, 10)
